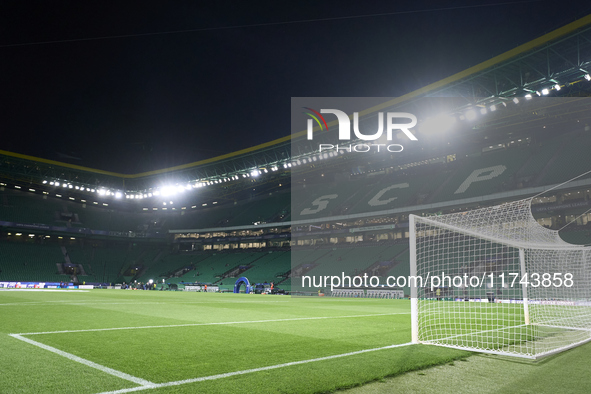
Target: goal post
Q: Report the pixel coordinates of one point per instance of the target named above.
(495, 281)
(523, 270)
(414, 316)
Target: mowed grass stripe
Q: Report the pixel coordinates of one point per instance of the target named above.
(211, 324)
(192, 351)
(167, 354)
(248, 371)
(88, 363)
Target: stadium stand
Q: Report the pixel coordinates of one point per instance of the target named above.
(243, 205)
(570, 160)
(501, 166)
(30, 262)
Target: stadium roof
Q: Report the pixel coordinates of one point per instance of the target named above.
(561, 57)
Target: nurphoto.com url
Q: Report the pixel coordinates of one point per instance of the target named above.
(491, 279)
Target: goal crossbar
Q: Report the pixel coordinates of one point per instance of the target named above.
(516, 318)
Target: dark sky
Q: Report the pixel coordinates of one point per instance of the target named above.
(140, 102)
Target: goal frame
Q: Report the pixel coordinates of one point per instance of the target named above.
(522, 247)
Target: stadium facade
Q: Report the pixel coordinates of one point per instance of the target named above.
(522, 125)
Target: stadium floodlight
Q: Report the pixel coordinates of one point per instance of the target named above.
(545, 91)
(470, 114)
(44, 182)
(440, 123)
(515, 100)
(168, 190)
(483, 111)
(557, 87)
(118, 194)
(588, 77)
(156, 193)
(529, 291)
(102, 192)
(493, 108)
(255, 173)
(528, 96)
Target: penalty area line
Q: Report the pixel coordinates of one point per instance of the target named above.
(247, 371)
(144, 383)
(210, 324)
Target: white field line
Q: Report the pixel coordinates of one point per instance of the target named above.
(94, 302)
(562, 318)
(110, 371)
(475, 333)
(210, 324)
(247, 371)
(78, 302)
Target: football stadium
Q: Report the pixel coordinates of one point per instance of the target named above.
(292, 266)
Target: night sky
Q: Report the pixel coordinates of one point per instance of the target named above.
(88, 83)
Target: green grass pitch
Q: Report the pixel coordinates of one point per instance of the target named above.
(168, 340)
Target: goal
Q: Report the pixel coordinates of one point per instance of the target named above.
(495, 281)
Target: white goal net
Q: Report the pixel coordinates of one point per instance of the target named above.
(495, 281)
